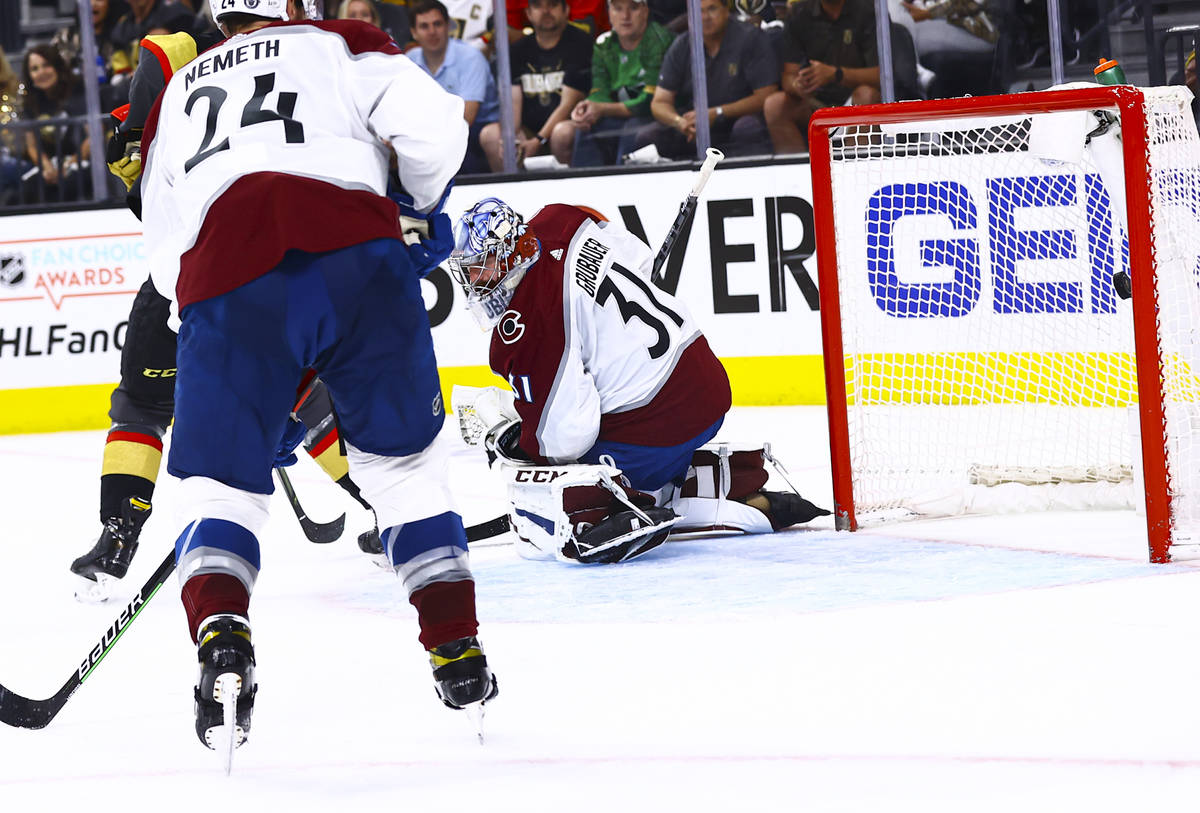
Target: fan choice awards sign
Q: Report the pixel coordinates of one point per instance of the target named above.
(746, 269)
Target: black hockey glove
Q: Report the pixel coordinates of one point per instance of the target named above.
(503, 442)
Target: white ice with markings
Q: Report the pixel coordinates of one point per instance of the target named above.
(1006, 663)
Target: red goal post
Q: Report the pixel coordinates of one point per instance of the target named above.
(964, 307)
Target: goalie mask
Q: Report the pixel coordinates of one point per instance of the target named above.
(273, 9)
(493, 248)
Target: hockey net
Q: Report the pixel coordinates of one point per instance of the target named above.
(978, 358)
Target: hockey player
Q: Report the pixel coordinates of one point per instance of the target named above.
(606, 370)
(144, 401)
(266, 220)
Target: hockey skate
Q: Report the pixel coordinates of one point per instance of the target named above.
(462, 679)
(225, 688)
(109, 559)
(784, 508)
(370, 544)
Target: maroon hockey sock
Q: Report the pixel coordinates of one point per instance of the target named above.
(446, 611)
(213, 594)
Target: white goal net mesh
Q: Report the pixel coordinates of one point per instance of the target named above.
(985, 349)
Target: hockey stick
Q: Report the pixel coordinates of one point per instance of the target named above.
(23, 712)
(687, 209)
(322, 533)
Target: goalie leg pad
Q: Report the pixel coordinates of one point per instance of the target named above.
(724, 491)
(582, 513)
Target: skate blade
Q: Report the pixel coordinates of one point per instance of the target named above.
(474, 712)
(100, 591)
(225, 738)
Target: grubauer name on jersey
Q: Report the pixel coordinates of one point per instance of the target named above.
(594, 351)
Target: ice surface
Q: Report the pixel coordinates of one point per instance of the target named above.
(985, 664)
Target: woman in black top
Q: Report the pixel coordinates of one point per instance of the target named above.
(59, 149)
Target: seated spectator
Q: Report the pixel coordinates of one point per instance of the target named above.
(625, 66)
(390, 18)
(762, 14)
(363, 10)
(955, 40)
(740, 73)
(145, 17)
(12, 164)
(589, 15)
(551, 72)
(671, 14)
(58, 150)
(459, 69)
(105, 14)
(830, 59)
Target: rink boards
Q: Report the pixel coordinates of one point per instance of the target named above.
(746, 270)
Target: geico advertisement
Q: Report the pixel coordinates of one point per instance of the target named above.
(953, 259)
(745, 268)
(66, 284)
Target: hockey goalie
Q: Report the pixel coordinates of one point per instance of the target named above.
(606, 436)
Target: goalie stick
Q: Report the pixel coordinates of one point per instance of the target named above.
(687, 210)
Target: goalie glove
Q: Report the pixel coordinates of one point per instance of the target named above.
(481, 409)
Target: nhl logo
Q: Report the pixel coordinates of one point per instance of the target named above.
(251, 4)
(12, 269)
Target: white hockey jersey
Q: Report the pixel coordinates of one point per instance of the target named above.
(471, 19)
(278, 139)
(594, 351)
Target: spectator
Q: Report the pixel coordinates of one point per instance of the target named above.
(625, 66)
(671, 14)
(1189, 79)
(459, 69)
(472, 22)
(105, 14)
(762, 14)
(363, 10)
(589, 15)
(396, 25)
(955, 39)
(740, 73)
(830, 58)
(145, 17)
(58, 151)
(12, 165)
(551, 72)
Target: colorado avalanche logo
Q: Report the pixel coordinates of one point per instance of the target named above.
(510, 328)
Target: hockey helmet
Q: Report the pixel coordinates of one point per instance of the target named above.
(493, 248)
(274, 9)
